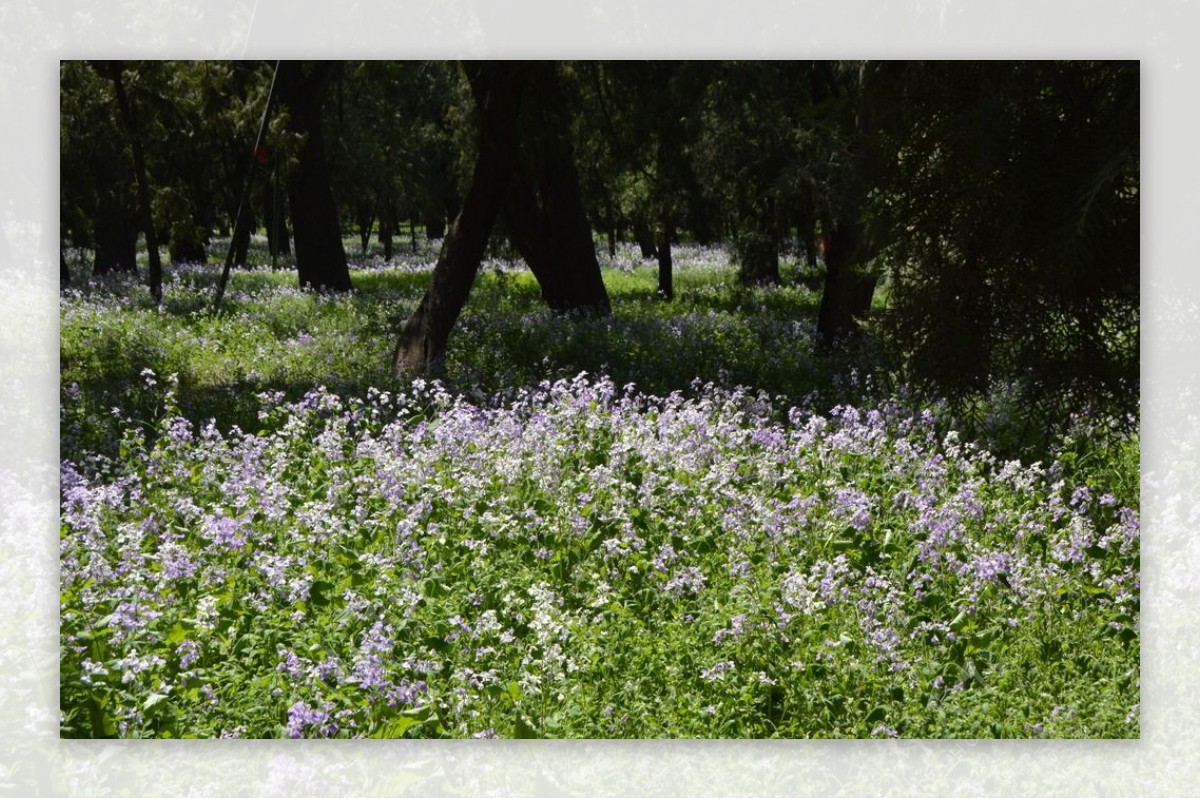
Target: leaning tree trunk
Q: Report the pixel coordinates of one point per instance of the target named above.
(320, 256)
(422, 345)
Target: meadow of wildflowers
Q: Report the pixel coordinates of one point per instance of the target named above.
(569, 556)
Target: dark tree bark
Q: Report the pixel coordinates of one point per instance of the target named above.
(543, 208)
(806, 226)
(666, 280)
(320, 256)
(275, 220)
(241, 239)
(365, 218)
(849, 286)
(644, 237)
(115, 234)
(64, 273)
(849, 280)
(434, 220)
(113, 69)
(422, 345)
(387, 224)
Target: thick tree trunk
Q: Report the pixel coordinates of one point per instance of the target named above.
(320, 256)
(141, 178)
(849, 280)
(543, 209)
(849, 286)
(422, 345)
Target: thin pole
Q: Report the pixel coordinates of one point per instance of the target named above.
(237, 222)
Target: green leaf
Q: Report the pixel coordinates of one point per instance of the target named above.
(152, 700)
(523, 729)
(178, 633)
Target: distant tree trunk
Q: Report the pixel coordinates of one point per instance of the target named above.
(141, 177)
(806, 226)
(434, 221)
(241, 238)
(275, 220)
(365, 217)
(387, 224)
(115, 234)
(64, 273)
(320, 256)
(849, 286)
(422, 345)
(666, 280)
(644, 237)
(543, 208)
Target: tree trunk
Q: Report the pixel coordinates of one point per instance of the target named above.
(115, 234)
(275, 220)
(387, 225)
(434, 221)
(666, 280)
(644, 237)
(320, 256)
(849, 281)
(544, 213)
(141, 178)
(422, 345)
(849, 286)
(64, 273)
(365, 219)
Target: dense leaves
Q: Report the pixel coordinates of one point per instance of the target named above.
(1018, 267)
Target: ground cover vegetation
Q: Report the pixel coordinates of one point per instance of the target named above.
(618, 414)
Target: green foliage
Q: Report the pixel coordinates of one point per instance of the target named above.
(1014, 239)
(528, 558)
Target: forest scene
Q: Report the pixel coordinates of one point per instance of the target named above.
(599, 399)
